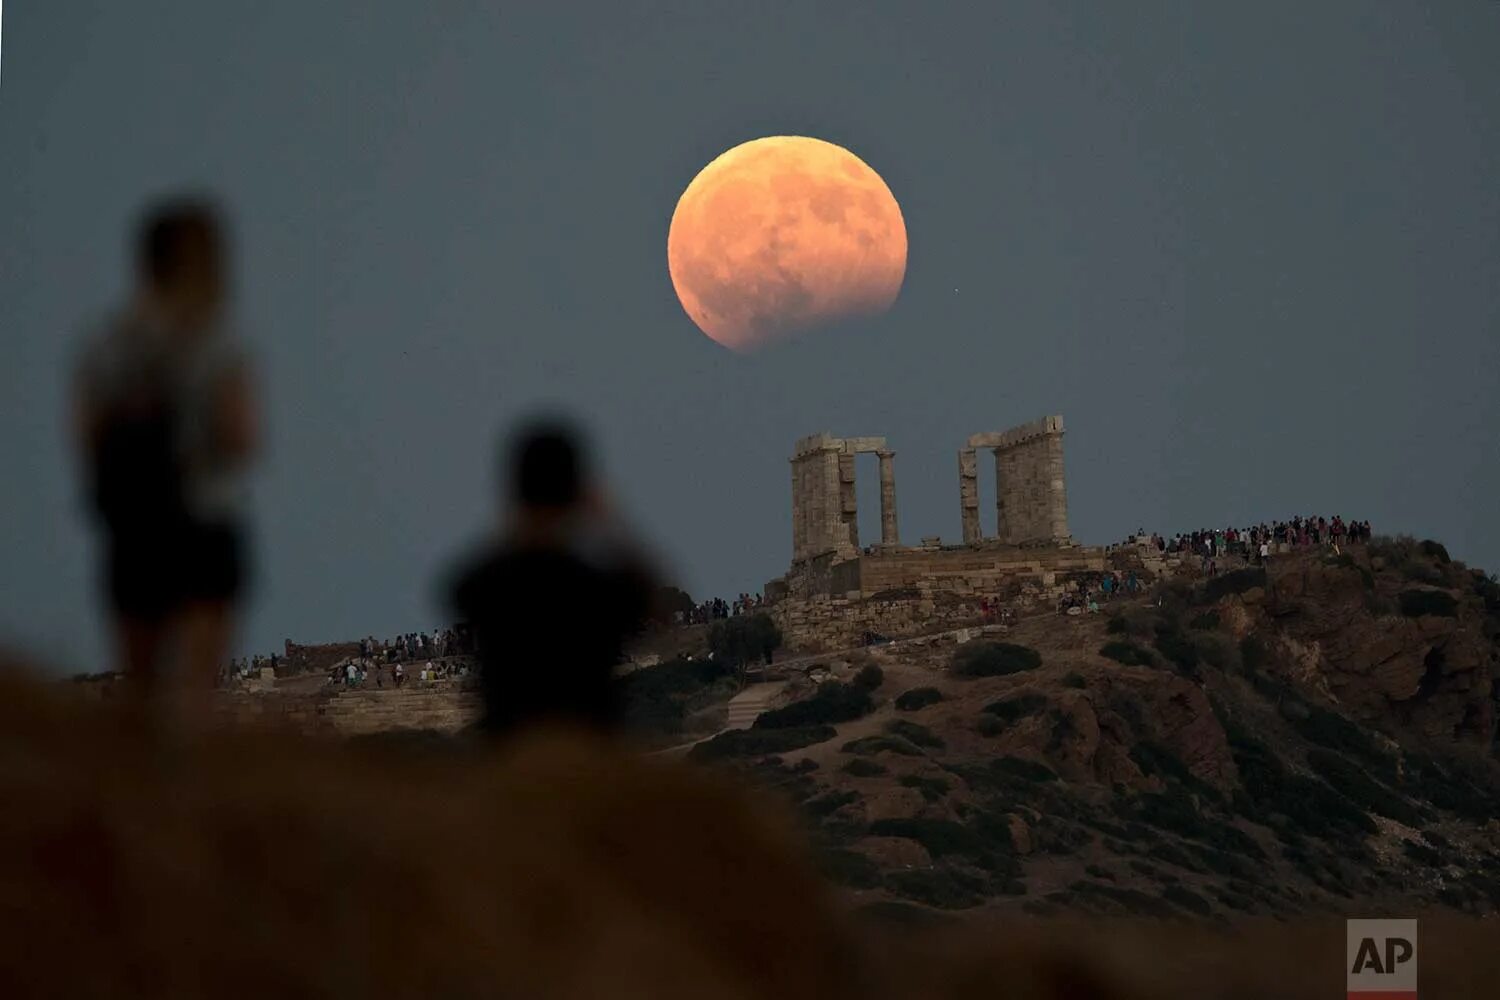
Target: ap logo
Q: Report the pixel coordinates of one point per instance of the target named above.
(1381, 960)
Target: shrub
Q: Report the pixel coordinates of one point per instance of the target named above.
(910, 731)
(1310, 805)
(1435, 550)
(1016, 707)
(1235, 582)
(862, 767)
(1217, 650)
(942, 888)
(1177, 649)
(869, 677)
(1099, 871)
(1020, 767)
(880, 744)
(918, 698)
(1074, 680)
(994, 659)
(1188, 900)
(831, 703)
(1416, 603)
(758, 742)
(832, 802)
(1423, 854)
(1254, 655)
(932, 789)
(1352, 781)
(744, 639)
(989, 725)
(1208, 621)
(1127, 653)
(941, 837)
(849, 868)
(1329, 729)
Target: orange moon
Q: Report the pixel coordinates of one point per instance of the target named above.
(782, 235)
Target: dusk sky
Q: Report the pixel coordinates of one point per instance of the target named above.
(1250, 252)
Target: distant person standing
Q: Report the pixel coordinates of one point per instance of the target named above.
(552, 601)
(166, 423)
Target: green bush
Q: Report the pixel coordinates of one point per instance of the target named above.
(758, 742)
(945, 889)
(831, 703)
(1254, 656)
(1178, 650)
(832, 802)
(989, 725)
(1208, 621)
(1435, 550)
(1312, 807)
(918, 698)
(744, 639)
(1352, 781)
(1074, 680)
(1020, 767)
(1235, 582)
(1017, 706)
(994, 659)
(863, 767)
(1217, 650)
(1127, 653)
(866, 745)
(1329, 729)
(932, 789)
(941, 837)
(656, 699)
(1187, 900)
(1416, 603)
(849, 868)
(910, 731)
(869, 678)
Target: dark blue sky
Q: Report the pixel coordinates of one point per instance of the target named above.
(1252, 253)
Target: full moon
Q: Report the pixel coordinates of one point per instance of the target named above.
(782, 235)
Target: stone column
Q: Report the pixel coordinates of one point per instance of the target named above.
(848, 526)
(888, 534)
(1057, 489)
(968, 495)
(1003, 529)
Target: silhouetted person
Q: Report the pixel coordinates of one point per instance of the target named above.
(553, 600)
(166, 424)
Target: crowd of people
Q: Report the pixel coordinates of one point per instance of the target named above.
(1257, 543)
(716, 608)
(439, 643)
(353, 674)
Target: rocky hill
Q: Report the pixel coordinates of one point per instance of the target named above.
(1318, 736)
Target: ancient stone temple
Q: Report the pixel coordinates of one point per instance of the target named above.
(1031, 497)
(836, 585)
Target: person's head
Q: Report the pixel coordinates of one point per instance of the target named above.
(547, 468)
(180, 259)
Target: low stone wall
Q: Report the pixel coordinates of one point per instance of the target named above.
(982, 570)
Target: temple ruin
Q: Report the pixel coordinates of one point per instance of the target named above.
(894, 588)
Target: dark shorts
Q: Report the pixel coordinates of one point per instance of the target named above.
(152, 574)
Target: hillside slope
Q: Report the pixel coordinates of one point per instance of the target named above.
(1315, 738)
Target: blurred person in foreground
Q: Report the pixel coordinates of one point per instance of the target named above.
(166, 423)
(553, 599)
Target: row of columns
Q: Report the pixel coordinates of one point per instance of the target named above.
(825, 513)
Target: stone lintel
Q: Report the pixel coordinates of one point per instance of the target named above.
(1016, 435)
(864, 445)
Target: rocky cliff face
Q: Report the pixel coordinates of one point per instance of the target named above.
(1406, 649)
(1318, 737)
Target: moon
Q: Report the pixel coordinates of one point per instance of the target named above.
(782, 235)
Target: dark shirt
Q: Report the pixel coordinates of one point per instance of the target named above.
(550, 626)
